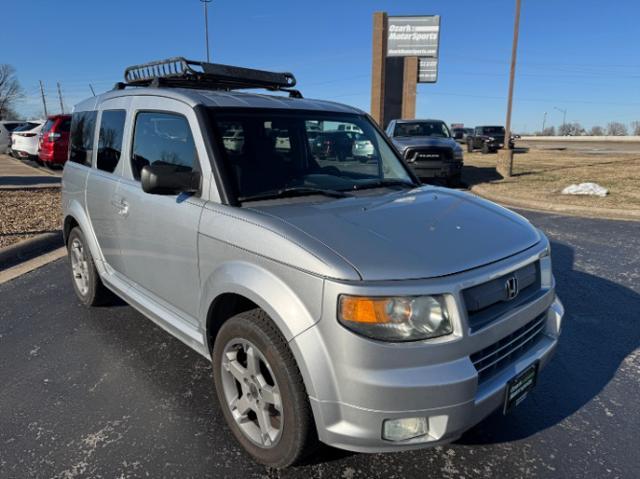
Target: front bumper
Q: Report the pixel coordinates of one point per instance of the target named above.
(355, 384)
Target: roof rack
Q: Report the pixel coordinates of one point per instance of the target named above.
(183, 73)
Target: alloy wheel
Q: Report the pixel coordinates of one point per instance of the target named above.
(252, 393)
(79, 266)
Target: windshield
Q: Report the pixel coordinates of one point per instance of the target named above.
(270, 152)
(422, 128)
(493, 130)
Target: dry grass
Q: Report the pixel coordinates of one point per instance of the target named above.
(540, 175)
(26, 213)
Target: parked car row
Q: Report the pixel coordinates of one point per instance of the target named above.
(44, 141)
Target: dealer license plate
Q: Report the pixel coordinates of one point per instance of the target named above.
(519, 387)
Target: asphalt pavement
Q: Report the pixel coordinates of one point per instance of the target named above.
(106, 393)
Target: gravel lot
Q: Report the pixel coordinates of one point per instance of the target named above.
(28, 212)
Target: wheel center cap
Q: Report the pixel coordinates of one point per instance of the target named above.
(253, 389)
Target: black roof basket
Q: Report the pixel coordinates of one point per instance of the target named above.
(183, 73)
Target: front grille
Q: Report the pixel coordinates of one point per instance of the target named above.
(431, 153)
(488, 301)
(492, 359)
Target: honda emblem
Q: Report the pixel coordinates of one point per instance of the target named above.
(511, 287)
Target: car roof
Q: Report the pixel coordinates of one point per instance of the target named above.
(417, 120)
(222, 99)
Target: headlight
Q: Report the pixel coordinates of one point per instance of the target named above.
(491, 138)
(457, 154)
(409, 318)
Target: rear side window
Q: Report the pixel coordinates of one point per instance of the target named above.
(83, 125)
(162, 138)
(110, 139)
(64, 125)
(47, 126)
(12, 126)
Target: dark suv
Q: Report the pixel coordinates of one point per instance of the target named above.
(489, 139)
(429, 148)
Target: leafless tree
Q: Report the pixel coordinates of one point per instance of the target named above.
(549, 131)
(570, 129)
(615, 128)
(635, 127)
(596, 130)
(10, 90)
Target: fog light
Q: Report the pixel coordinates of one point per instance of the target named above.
(405, 428)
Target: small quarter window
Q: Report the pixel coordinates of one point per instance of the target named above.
(162, 138)
(83, 125)
(110, 139)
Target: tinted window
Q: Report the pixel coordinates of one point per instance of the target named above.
(110, 139)
(47, 126)
(422, 128)
(64, 125)
(83, 125)
(162, 138)
(12, 126)
(493, 130)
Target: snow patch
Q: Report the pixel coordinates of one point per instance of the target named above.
(591, 189)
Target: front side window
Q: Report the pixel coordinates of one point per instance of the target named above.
(162, 138)
(268, 152)
(83, 125)
(422, 128)
(110, 139)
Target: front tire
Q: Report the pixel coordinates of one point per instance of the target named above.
(469, 146)
(85, 278)
(261, 392)
(485, 149)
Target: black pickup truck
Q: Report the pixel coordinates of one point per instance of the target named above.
(429, 149)
(489, 139)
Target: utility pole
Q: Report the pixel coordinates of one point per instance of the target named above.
(44, 102)
(505, 165)
(544, 122)
(60, 98)
(91, 88)
(206, 26)
(564, 114)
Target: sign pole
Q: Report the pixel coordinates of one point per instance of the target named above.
(378, 73)
(505, 167)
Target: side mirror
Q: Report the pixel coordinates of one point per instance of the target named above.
(166, 179)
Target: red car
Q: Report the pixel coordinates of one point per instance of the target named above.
(54, 140)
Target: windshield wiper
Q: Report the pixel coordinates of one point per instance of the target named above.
(383, 183)
(295, 191)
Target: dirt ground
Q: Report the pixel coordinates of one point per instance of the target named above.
(541, 175)
(29, 212)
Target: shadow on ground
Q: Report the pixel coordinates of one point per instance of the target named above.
(600, 330)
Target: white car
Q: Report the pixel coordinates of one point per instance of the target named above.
(24, 139)
(6, 128)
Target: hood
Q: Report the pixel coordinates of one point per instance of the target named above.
(404, 142)
(422, 233)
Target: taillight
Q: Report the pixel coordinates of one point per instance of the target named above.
(54, 136)
(29, 135)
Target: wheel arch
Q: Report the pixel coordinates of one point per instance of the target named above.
(237, 286)
(75, 216)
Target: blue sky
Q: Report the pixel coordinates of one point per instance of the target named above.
(582, 56)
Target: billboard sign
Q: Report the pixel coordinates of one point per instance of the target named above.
(427, 70)
(413, 36)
